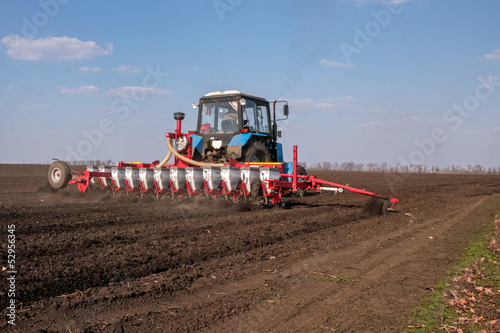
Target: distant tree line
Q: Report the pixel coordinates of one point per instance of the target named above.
(412, 168)
(92, 162)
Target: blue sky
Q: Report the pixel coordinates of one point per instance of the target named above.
(367, 81)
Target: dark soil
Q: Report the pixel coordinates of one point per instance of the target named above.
(97, 263)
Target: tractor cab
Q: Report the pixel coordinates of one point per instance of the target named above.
(233, 124)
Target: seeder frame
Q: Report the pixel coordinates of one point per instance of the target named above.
(274, 189)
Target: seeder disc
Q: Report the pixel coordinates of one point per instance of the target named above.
(377, 206)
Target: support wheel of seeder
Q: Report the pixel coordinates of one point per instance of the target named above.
(385, 207)
(377, 206)
(59, 174)
(257, 194)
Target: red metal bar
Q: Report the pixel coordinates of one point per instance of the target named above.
(178, 128)
(289, 185)
(157, 188)
(143, 189)
(83, 180)
(295, 183)
(128, 187)
(189, 151)
(285, 175)
(355, 190)
(189, 190)
(114, 187)
(294, 187)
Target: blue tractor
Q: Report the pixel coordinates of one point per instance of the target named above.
(239, 126)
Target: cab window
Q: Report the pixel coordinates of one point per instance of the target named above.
(255, 118)
(262, 119)
(219, 117)
(249, 116)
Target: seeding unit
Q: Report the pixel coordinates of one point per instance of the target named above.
(203, 160)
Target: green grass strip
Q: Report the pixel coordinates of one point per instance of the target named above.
(431, 313)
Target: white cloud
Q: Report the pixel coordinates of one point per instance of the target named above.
(58, 48)
(478, 131)
(394, 2)
(138, 90)
(31, 107)
(329, 63)
(340, 99)
(82, 90)
(485, 131)
(127, 69)
(397, 2)
(386, 110)
(321, 105)
(490, 81)
(90, 69)
(495, 55)
(370, 124)
(128, 90)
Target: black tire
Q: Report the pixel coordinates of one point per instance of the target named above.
(385, 207)
(59, 175)
(377, 206)
(301, 170)
(258, 152)
(257, 194)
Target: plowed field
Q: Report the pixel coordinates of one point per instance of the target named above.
(96, 263)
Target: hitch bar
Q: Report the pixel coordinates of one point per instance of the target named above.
(316, 183)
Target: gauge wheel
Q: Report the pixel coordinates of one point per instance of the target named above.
(59, 174)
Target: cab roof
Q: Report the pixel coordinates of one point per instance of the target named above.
(228, 93)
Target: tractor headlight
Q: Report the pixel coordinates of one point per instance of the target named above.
(181, 144)
(216, 144)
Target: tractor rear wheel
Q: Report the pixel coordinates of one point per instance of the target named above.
(258, 152)
(59, 175)
(301, 170)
